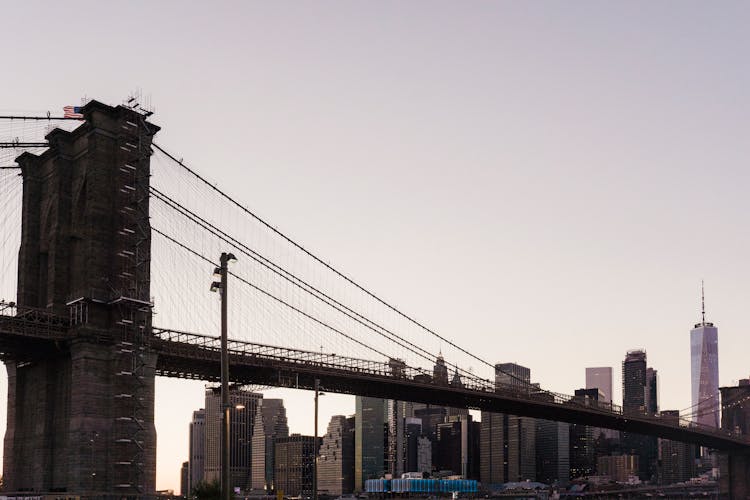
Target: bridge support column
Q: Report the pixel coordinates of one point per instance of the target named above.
(62, 430)
(734, 480)
(81, 414)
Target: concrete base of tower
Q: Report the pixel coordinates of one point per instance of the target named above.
(66, 428)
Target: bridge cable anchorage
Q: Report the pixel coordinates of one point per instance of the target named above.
(300, 283)
(328, 266)
(271, 296)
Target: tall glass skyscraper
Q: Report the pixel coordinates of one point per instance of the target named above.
(704, 370)
(370, 437)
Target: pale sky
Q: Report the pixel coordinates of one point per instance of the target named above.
(544, 182)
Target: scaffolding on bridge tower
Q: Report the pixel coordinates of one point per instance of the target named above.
(131, 298)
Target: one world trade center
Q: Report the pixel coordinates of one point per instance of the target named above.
(704, 370)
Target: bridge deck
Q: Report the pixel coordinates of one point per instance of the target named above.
(194, 356)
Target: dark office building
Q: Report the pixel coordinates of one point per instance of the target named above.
(552, 452)
(431, 417)
(583, 438)
(457, 447)
(370, 440)
(677, 460)
(652, 400)
(639, 396)
(508, 442)
(492, 469)
(294, 464)
(184, 490)
(413, 427)
(634, 382)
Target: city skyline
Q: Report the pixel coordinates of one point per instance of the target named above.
(521, 177)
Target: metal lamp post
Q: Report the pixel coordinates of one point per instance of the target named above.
(315, 441)
(222, 288)
(315, 444)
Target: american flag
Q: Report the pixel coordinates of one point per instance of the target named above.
(72, 112)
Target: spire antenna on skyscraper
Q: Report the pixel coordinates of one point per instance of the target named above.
(703, 305)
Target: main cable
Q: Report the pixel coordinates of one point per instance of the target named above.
(270, 295)
(300, 283)
(323, 263)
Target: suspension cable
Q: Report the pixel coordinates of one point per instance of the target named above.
(318, 259)
(299, 282)
(270, 295)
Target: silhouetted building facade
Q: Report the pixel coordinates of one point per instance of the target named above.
(294, 464)
(336, 457)
(582, 445)
(398, 412)
(457, 447)
(413, 428)
(184, 490)
(677, 459)
(639, 396)
(508, 442)
(431, 417)
(552, 452)
(634, 382)
(270, 424)
(652, 391)
(492, 455)
(197, 449)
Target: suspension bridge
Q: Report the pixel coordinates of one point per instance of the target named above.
(115, 238)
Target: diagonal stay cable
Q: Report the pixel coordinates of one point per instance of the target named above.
(299, 282)
(271, 296)
(319, 260)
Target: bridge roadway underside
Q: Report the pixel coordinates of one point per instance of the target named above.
(202, 362)
(176, 359)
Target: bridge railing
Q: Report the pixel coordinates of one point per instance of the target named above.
(31, 321)
(396, 368)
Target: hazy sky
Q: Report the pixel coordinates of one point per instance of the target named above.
(546, 181)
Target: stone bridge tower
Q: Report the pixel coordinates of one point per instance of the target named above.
(81, 419)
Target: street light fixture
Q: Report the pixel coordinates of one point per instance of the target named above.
(221, 286)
